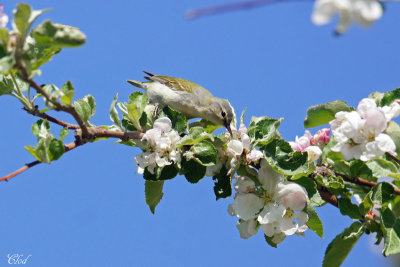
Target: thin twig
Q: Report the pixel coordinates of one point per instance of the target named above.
(67, 148)
(59, 107)
(393, 157)
(327, 196)
(364, 182)
(94, 132)
(64, 124)
(230, 7)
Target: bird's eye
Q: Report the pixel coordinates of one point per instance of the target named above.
(223, 113)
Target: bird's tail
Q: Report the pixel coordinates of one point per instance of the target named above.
(137, 84)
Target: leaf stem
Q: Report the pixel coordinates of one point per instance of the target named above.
(59, 107)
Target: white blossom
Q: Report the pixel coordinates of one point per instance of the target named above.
(305, 143)
(276, 205)
(159, 145)
(364, 12)
(3, 17)
(244, 185)
(246, 206)
(359, 134)
(314, 152)
(247, 228)
(392, 111)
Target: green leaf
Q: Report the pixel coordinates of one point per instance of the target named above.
(21, 18)
(192, 170)
(6, 85)
(165, 173)
(382, 193)
(40, 54)
(324, 113)
(314, 222)
(6, 64)
(269, 241)
(41, 128)
(32, 151)
(64, 132)
(311, 188)
(283, 159)
(208, 126)
(114, 116)
(223, 184)
(179, 121)
(153, 191)
(389, 97)
(83, 108)
(341, 246)
(203, 152)
(262, 130)
(393, 130)
(382, 168)
(68, 91)
(42, 150)
(24, 16)
(56, 149)
(346, 207)
(58, 35)
(136, 106)
(196, 135)
(4, 36)
(391, 231)
(90, 100)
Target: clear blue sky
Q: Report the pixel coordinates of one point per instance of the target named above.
(88, 209)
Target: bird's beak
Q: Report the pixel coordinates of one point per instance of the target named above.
(228, 127)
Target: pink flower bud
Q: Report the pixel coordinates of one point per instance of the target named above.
(321, 137)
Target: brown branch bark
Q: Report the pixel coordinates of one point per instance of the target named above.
(393, 157)
(327, 196)
(64, 124)
(67, 148)
(94, 132)
(59, 107)
(364, 182)
(230, 7)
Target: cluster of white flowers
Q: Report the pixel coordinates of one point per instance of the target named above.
(239, 144)
(3, 17)
(311, 144)
(359, 134)
(271, 205)
(364, 12)
(160, 146)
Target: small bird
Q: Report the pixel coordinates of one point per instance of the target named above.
(192, 100)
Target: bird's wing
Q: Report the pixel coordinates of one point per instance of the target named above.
(174, 83)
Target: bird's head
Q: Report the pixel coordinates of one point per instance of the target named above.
(222, 113)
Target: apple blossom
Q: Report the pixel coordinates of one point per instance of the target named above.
(364, 12)
(321, 137)
(160, 146)
(305, 142)
(3, 17)
(247, 228)
(273, 205)
(359, 134)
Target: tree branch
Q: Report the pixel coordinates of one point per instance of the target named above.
(327, 196)
(364, 182)
(230, 7)
(59, 107)
(67, 148)
(393, 157)
(64, 124)
(94, 132)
